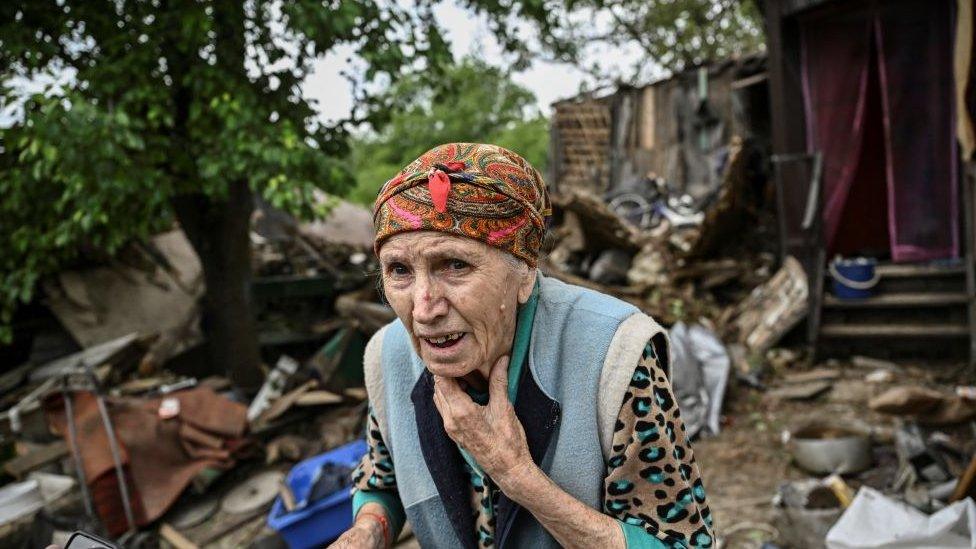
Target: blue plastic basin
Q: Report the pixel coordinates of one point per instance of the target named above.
(316, 523)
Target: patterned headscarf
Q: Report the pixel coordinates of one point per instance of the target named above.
(484, 192)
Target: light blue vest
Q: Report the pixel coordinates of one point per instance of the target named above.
(557, 397)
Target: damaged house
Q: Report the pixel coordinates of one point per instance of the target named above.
(872, 138)
(678, 129)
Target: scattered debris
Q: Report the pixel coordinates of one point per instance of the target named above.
(21, 465)
(817, 374)
(175, 538)
(773, 308)
(843, 491)
(24, 498)
(874, 520)
(125, 438)
(700, 372)
(966, 486)
(880, 376)
(926, 406)
(800, 391)
(805, 511)
(151, 290)
(193, 513)
(874, 364)
(274, 386)
(254, 493)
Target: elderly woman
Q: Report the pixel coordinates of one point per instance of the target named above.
(506, 408)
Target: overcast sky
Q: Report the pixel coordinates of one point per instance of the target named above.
(466, 33)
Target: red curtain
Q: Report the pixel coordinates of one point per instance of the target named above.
(911, 41)
(835, 62)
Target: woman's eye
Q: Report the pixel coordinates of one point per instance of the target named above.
(457, 265)
(398, 269)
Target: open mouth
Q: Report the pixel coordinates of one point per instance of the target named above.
(446, 341)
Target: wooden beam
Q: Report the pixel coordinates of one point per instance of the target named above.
(894, 330)
(19, 466)
(175, 538)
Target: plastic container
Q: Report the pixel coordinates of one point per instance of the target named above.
(316, 523)
(853, 278)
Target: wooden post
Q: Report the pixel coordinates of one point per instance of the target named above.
(969, 240)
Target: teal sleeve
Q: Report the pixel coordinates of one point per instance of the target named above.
(389, 500)
(639, 538)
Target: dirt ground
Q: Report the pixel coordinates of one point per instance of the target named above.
(745, 464)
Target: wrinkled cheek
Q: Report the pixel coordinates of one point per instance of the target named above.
(402, 306)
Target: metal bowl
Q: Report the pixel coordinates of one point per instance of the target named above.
(825, 449)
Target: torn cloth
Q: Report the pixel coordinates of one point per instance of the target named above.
(701, 367)
(160, 457)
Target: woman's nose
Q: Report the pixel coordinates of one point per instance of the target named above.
(428, 302)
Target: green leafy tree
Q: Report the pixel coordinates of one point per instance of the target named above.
(470, 101)
(179, 109)
(664, 34)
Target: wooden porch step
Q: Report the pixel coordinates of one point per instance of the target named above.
(893, 330)
(914, 299)
(914, 270)
(908, 270)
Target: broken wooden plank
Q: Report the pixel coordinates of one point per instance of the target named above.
(20, 466)
(358, 393)
(285, 402)
(773, 309)
(287, 496)
(114, 351)
(175, 538)
(800, 391)
(318, 398)
(818, 374)
(966, 486)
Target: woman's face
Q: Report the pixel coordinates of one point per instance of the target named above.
(456, 296)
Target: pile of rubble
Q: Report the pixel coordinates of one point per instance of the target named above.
(882, 454)
(658, 250)
(888, 445)
(705, 270)
(118, 426)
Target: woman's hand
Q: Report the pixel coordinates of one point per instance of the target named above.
(496, 440)
(492, 434)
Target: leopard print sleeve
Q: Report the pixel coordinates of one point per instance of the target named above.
(375, 470)
(653, 481)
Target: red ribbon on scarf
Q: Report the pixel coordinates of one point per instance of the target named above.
(439, 185)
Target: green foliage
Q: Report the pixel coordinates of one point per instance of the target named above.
(672, 34)
(471, 101)
(174, 97)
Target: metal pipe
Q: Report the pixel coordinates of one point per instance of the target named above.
(113, 444)
(69, 411)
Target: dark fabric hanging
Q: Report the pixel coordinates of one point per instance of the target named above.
(915, 57)
(909, 45)
(835, 61)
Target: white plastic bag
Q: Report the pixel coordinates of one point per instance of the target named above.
(874, 520)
